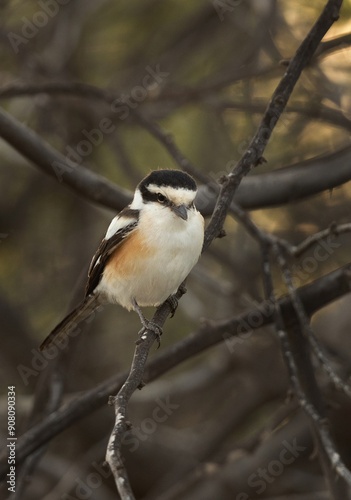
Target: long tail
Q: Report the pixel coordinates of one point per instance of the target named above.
(71, 321)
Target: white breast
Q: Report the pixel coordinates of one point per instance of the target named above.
(172, 248)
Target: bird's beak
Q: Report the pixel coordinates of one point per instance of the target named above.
(180, 211)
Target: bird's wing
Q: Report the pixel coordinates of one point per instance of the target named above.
(120, 227)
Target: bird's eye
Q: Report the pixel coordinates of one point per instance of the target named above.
(161, 198)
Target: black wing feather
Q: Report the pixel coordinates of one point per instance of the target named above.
(103, 254)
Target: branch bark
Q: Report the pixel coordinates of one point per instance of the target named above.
(319, 112)
(93, 186)
(278, 102)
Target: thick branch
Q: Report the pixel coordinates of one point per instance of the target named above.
(91, 185)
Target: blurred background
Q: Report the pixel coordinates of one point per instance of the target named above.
(204, 71)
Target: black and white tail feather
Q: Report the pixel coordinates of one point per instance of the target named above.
(70, 323)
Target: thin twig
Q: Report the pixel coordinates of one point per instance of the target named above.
(280, 97)
(332, 230)
(260, 235)
(134, 381)
(168, 142)
(337, 43)
(320, 112)
(114, 455)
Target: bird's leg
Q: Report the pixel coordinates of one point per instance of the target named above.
(147, 324)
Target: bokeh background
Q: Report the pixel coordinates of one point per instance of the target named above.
(213, 67)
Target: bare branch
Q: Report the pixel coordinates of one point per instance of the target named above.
(279, 99)
(287, 184)
(320, 112)
(120, 401)
(333, 230)
(91, 185)
(333, 44)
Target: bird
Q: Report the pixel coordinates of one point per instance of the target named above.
(147, 252)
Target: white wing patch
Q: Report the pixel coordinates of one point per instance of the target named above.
(119, 222)
(137, 203)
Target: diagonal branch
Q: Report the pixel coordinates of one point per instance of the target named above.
(320, 112)
(332, 230)
(280, 97)
(93, 186)
(134, 381)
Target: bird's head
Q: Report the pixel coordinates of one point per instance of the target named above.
(171, 189)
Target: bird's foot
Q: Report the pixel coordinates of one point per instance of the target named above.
(147, 324)
(153, 327)
(173, 304)
(173, 301)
